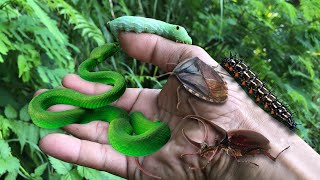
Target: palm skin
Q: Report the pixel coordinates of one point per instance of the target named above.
(88, 145)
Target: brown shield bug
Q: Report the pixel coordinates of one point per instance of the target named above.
(201, 80)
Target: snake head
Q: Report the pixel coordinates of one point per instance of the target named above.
(102, 52)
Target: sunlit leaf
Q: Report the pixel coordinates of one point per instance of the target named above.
(10, 112)
(60, 166)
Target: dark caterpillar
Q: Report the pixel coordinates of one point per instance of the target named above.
(257, 89)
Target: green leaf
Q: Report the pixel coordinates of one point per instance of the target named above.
(54, 176)
(10, 164)
(6, 98)
(2, 167)
(289, 9)
(3, 46)
(5, 127)
(10, 112)
(22, 64)
(23, 113)
(13, 164)
(61, 167)
(72, 175)
(11, 175)
(111, 176)
(89, 173)
(45, 19)
(40, 169)
(44, 132)
(26, 132)
(5, 150)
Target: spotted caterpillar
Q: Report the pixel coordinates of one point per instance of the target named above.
(257, 89)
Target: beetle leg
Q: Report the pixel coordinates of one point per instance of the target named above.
(249, 162)
(264, 152)
(281, 152)
(200, 146)
(214, 152)
(194, 143)
(205, 137)
(260, 151)
(214, 126)
(144, 171)
(234, 154)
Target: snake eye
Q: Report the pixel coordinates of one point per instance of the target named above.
(177, 27)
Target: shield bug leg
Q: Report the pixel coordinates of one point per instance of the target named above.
(173, 64)
(215, 67)
(178, 97)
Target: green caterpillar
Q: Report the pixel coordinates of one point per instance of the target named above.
(147, 25)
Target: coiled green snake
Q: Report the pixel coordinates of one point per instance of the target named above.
(131, 135)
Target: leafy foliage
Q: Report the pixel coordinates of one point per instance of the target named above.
(39, 44)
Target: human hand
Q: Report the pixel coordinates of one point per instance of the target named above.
(88, 146)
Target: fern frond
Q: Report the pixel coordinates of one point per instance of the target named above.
(52, 76)
(47, 21)
(88, 27)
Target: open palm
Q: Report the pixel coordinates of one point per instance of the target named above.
(88, 146)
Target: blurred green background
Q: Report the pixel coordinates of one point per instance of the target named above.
(43, 40)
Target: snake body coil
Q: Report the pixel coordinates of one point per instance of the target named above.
(132, 135)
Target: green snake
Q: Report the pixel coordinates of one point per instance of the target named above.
(131, 135)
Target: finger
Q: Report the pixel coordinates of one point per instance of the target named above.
(159, 51)
(60, 107)
(132, 100)
(85, 153)
(95, 131)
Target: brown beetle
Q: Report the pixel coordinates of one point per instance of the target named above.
(236, 143)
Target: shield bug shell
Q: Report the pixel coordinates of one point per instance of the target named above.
(201, 80)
